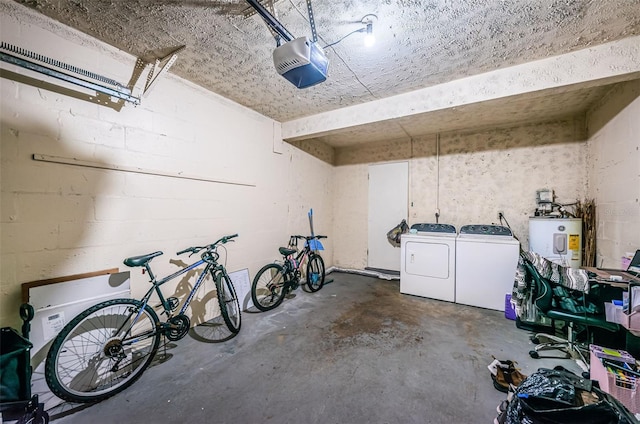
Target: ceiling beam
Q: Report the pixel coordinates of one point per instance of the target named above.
(595, 66)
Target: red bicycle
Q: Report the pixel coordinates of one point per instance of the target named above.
(272, 283)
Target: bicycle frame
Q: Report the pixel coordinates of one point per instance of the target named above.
(299, 258)
(106, 348)
(156, 285)
(155, 288)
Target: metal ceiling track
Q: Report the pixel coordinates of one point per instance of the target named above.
(36, 62)
(276, 26)
(273, 23)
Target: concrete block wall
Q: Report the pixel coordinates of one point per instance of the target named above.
(59, 219)
(614, 172)
(478, 174)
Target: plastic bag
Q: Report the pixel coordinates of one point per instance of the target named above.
(396, 232)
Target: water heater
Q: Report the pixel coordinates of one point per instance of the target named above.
(557, 239)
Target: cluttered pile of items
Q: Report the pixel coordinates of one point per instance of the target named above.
(560, 396)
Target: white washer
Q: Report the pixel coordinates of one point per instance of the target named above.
(428, 261)
(486, 262)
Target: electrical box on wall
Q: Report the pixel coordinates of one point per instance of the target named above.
(544, 201)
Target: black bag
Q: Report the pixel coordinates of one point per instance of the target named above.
(396, 232)
(559, 396)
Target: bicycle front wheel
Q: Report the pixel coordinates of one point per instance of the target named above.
(228, 301)
(315, 272)
(102, 351)
(267, 290)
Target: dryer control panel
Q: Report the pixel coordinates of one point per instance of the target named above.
(489, 230)
(434, 228)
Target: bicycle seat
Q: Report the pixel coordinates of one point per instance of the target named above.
(141, 260)
(286, 252)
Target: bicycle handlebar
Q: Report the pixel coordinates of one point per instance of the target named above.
(188, 249)
(309, 237)
(222, 240)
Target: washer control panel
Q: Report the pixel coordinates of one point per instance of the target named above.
(434, 228)
(489, 230)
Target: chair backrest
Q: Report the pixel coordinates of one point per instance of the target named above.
(556, 306)
(543, 293)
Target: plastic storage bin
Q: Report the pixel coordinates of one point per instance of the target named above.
(15, 379)
(625, 390)
(16, 401)
(620, 314)
(620, 386)
(509, 312)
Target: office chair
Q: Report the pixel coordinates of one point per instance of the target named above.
(548, 305)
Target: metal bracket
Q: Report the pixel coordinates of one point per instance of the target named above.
(312, 22)
(151, 81)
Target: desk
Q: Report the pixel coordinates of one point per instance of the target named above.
(613, 290)
(603, 276)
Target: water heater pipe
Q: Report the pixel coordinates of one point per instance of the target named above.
(437, 177)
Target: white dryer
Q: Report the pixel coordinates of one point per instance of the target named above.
(486, 262)
(427, 256)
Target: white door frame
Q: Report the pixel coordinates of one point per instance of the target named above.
(388, 205)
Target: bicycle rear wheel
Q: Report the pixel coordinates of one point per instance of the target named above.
(315, 272)
(267, 290)
(102, 351)
(228, 301)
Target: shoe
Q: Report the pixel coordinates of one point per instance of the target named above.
(499, 386)
(493, 366)
(507, 375)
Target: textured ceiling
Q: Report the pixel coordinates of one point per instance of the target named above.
(418, 44)
(477, 116)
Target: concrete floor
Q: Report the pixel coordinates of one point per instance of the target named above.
(357, 351)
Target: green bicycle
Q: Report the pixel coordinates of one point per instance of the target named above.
(106, 348)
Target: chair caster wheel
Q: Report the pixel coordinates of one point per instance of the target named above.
(535, 340)
(534, 354)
